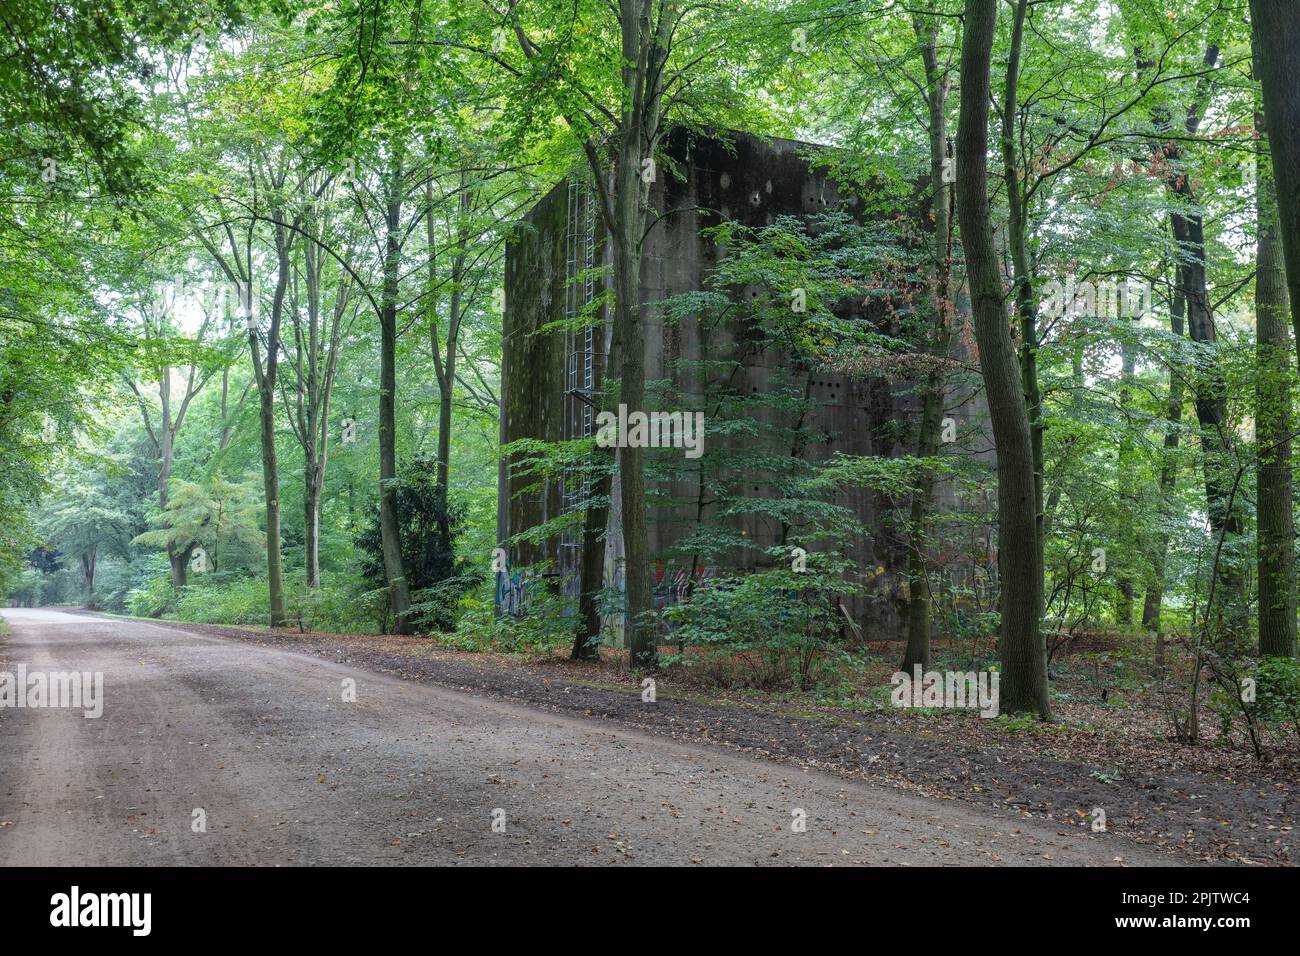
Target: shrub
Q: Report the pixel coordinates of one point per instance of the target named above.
(222, 600)
(153, 598)
(436, 576)
(1277, 693)
(546, 623)
(766, 629)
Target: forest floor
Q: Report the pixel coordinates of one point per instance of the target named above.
(1112, 750)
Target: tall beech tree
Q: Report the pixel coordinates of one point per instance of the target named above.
(1208, 383)
(1276, 26)
(238, 263)
(1275, 508)
(158, 327)
(937, 87)
(318, 330)
(1020, 640)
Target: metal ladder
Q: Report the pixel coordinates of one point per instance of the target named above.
(579, 350)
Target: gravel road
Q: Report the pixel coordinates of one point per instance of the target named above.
(285, 771)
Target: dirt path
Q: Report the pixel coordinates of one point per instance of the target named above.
(286, 772)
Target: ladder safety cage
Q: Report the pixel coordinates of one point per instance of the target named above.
(581, 352)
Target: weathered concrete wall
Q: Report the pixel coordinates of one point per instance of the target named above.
(752, 182)
(532, 364)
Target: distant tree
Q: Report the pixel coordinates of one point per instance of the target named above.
(85, 522)
(217, 515)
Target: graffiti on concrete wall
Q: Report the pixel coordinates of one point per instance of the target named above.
(673, 584)
(515, 588)
(512, 592)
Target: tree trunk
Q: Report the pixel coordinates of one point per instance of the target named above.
(316, 367)
(1274, 508)
(1023, 686)
(595, 524)
(179, 562)
(266, 393)
(1168, 481)
(636, 549)
(311, 520)
(271, 489)
(308, 408)
(1276, 26)
(1125, 586)
(389, 525)
(88, 575)
(592, 574)
(1025, 299)
(1209, 387)
(933, 392)
(446, 369)
(1210, 391)
(637, 129)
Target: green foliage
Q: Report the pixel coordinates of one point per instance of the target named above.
(545, 625)
(429, 529)
(217, 515)
(1277, 692)
(152, 598)
(1274, 713)
(768, 629)
(234, 601)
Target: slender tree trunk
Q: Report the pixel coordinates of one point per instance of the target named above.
(1208, 384)
(446, 369)
(933, 392)
(627, 317)
(266, 378)
(595, 523)
(637, 134)
(316, 364)
(178, 559)
(1276, 26)
(271, 488)
(308, 411)
(311, 523)
(389, 525)
(445, 354)
(1021, 646)
(592, 574)
(224, 440)
(1168, 480)
(1275, 506)
(88, 575)
(1210, 392)
(1025, 299)
(445, 396)
(1125, 585)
